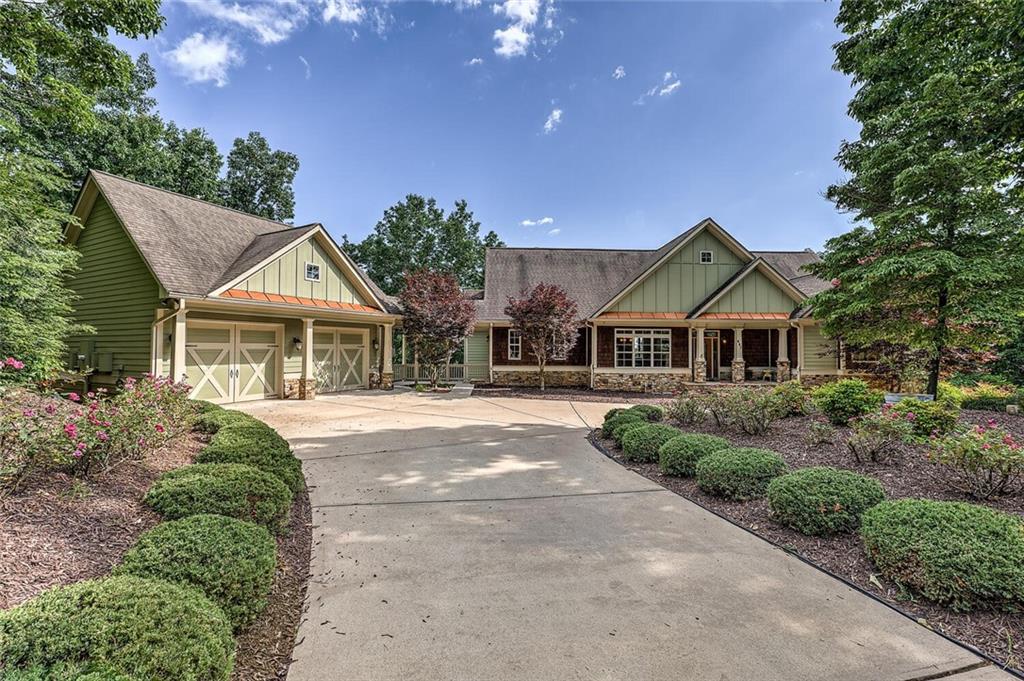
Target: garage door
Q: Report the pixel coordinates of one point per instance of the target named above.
(233, 362)
(340, 358)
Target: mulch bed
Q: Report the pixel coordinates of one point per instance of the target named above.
(56, 530)
(998, 635)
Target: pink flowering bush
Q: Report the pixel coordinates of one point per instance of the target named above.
(983, 461)
(29, 438)
(879, 436)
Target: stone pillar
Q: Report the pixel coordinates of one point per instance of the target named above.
(782, 370)
(307, 384)
(387, 377)
(739, 367)
(178, 372)
(700, 365)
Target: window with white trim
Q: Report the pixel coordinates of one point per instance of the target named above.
(707, 257)
(515, 344)
(312, 271)
(559, 346)
(643, 348)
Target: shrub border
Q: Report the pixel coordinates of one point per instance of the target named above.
(595, 441)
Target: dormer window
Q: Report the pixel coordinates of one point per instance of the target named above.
(312, 271)
(707, 257)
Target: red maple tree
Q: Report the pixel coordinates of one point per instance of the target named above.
(547, 319)
(437, 318)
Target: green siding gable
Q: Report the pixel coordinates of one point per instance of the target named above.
(754, 293)
(286, 276)
(116, 294)
(681, 283)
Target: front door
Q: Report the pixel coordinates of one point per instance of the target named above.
(712, 357)
(233, 362)
(340, 358)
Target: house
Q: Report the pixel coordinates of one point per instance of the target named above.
(239, 306)
(702, 308)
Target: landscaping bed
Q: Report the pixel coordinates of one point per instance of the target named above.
(996, 633)
(574, 394)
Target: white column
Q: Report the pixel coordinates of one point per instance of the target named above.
(307, 349)
(784, 344)
(389, 341)
(593, 353)
(158, 347)
(737, 344)
(700, 342)
(490, 353)
(178, 372)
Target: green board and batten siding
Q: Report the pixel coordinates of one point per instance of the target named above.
(117, 294)
(286, 276)
(754, 293)
(476, 355)
(682, 282)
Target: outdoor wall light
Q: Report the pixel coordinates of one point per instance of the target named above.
(297, 342)
(376, 344)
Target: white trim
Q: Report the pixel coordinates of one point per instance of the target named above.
(305, 271)
(519, 343)
(652, 333)
(711, 258)
(235, 353)
(337, 332)
(532, 368)
(644, 370)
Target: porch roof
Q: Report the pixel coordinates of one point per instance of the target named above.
(745, 316)
(643, 315)
(297, 300)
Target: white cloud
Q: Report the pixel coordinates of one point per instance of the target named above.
(534, 223)
(554, 232)
(670, 88)
(553, 121)
(519, 11)
(269, 22)
(201, 59)
(669, 84)
(309, 69)
(619, 73)
(512, 41)
(344, 11)
(475, 61)
(524, 17)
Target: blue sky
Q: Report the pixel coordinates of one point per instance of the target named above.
(605, 124)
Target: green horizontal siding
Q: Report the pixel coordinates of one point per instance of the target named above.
(755, 293)
(476, 356)
(116, 293)
(287, 276)
(682, 282)
(819, 352)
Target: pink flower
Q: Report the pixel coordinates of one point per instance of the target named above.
(74, 397)
(71, 430)
(90, 394)
(836, 282)
(28, 413)
(14, 364)
(50, 409)
(159, 428)
(102, 435)
(992, 423)
(911, 416)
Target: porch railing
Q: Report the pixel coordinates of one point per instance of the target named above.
(453, 372)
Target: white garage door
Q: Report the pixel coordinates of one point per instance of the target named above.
(341, 359)
(233, 362)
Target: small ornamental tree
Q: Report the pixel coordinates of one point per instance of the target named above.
(437, 318)
(547, 319)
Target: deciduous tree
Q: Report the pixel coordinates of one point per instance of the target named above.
(259, 179)
(437, 318)
(548, 320)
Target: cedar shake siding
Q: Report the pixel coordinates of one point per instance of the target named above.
(578, 355)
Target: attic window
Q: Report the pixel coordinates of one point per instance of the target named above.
(707, 257)
(312, 271)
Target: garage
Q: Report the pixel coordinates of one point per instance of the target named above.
(341, 359)
(233, 362)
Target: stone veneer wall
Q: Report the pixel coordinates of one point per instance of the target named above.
(299, 389)
(642, 382)
(551, 378)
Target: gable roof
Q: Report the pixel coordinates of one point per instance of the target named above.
(758, 264)
(194, 247)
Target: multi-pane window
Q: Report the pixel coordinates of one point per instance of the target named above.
(707, 257)
(559, 346)
(312, 271)
(645, 348)
(515, 344)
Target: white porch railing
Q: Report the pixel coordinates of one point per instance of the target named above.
(453, 372)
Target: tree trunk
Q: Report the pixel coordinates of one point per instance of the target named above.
(541, 366)
(939, 346)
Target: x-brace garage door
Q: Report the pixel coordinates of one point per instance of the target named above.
(340, 359)
(233, 362)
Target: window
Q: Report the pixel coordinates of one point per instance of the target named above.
(643, 348)
(559, 346)
(515, 344)
(707, 257)
(312, 271)
(862, 356)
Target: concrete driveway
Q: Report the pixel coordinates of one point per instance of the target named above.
(471, 539)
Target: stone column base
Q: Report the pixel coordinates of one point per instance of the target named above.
(782, 371)
(300, 388)
(387, 381)
(700, 370)
(739, 368)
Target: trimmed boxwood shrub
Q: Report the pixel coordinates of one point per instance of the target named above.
(650, 412)
(623, 428)
(616, 420)
(231, 489)
(741, 473)
(143, 628)
(846, 399)
(612, 412)
(214, 417)
(229, 560)
(679, 455)
(958, 554)
(258, 445)
(822, 500)
(642, 444)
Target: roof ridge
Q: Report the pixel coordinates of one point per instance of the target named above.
(565, 248)
(193, 198)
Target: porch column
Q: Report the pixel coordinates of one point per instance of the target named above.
(156, 367)
(307, 384)
(842, 357)
(387, 376)
(739, 367)
(783, 372)
(700, 365)
(490, 352)
(593, 355)
(178, 371)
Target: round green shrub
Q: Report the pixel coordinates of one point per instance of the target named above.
(229, 560)
(950, 552)
(612, 412)
(739, 474)
(63, 671)
(230, 489)
(616, 420)
(793, 396)
(623, 428)
(846, 399)
(142, 628)
(257, 445)
(929, 418)
(679, 455)
(214, 417)
(642, 444)
(650, 412)
(822, 500)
